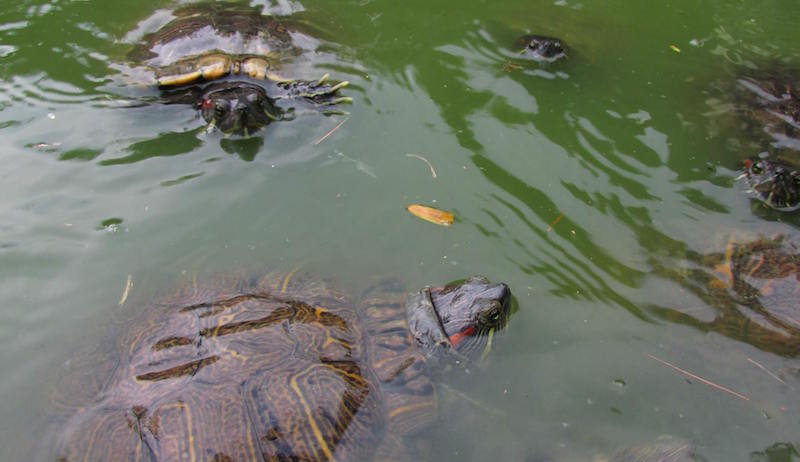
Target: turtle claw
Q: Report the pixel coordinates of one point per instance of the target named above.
(339, 85)
(339, 100)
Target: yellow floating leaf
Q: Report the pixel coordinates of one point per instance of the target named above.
(674, 48)
(436, 216)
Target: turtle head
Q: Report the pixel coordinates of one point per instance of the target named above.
(774, 183)
(459, 318)
(541, 48)
(237, 108)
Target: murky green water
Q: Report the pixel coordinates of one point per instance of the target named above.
(581, 184)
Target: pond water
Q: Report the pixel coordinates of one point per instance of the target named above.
(592, 186)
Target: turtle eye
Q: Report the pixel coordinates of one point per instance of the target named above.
(219, 110)
(756, 168)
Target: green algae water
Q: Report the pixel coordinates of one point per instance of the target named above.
(595, 187)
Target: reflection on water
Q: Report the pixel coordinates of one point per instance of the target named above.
(603, 180)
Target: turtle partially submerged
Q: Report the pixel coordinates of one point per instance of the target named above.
(542, 48)
(281, 368)
(752, 289)
(770, 101)
(239, 50)
(776, 183)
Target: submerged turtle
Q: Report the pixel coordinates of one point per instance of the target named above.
(212, 41)
(769, 107)
(542, 48)
(774, 182)
(282, 368)
(772, 102)
(752, 289)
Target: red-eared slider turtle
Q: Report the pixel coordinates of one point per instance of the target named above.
(542, 48)
(282, 368)
(776, 183)
(209, 42)
(751, 289)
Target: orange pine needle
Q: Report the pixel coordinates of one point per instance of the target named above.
(439, 217)
(330, 132)
(555, 222)
(698, 378)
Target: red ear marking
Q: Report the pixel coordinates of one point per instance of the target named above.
(459, 337)
(207, 104)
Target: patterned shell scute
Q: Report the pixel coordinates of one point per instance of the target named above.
(268, 370)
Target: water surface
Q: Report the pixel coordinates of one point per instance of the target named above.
(585, 185)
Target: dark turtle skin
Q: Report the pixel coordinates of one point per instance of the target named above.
(209, 42)
(281, 367)
(542, 48)
(752, 288)
(773, 182)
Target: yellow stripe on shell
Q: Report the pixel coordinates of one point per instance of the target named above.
(314, 427)
(287, 278)
(411, 407)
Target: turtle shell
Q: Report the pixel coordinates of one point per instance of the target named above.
(210, 40)
(281, 367)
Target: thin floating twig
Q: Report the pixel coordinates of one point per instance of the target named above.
(433, 172)
(767, 371)
(128, 285)
(555, 222)
(330, 132)
(480, 405)
(697, 377)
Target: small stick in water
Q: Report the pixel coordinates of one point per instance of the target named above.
(697, 377)
(555, 222)
(433, 172)
(330, 132)
(767, 371)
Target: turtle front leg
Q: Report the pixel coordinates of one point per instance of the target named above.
(318, 92)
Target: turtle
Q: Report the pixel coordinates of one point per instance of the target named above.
(279, 367)
(542, 48)
(753, 288)
(772, 101)
(774, 182)
(769, 107)
(223, 58)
